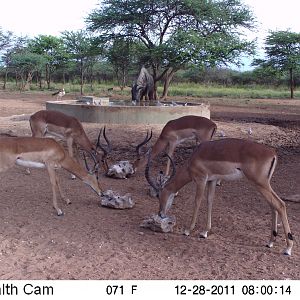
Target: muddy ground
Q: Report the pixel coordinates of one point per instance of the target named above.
(92, 242)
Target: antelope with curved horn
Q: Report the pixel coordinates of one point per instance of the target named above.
(227, 159)
(33, 152)
(57, 124)
(175, 132)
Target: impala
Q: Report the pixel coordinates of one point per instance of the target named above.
(175, 132)
(35, 152)
(57, 124)
(226, 159)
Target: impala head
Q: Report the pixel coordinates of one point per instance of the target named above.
(164, 195)
(93, 172)
(141, 160)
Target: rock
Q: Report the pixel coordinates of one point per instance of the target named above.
(156, 223)
(121, 170)
(113, 200)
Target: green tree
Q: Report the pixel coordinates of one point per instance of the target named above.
(173, 33)
(52, 49)
(5, 39)
(121, 54)
(11, 46)
(282, 49)
(25, 63)
(81, 47)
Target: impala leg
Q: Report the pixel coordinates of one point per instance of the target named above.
(274, 231)
(62, 194)
(53, 181)
(285, 223)
(70, 150)
(199, 194)
(278, 205)
(211, 188)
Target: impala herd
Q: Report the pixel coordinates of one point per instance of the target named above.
(211, 161)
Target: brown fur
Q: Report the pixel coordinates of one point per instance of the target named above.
(48, 152)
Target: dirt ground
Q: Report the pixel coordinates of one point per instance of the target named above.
(92, 242)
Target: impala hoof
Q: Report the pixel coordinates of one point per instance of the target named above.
(288, 252)
(203, 235)
(186, 232)
(60, 213)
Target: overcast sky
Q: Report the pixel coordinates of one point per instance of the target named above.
(275, 15)
(34, 17)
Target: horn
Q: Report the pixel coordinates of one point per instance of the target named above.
(106, 139)
(144, 142)
(102, 147)
(98, 139)
(85, 162)
(96, 164)
(147, 174)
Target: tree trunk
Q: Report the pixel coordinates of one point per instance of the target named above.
(154, 68)
(91, 77)
(123, 79)
(168, 78)
(64, 77)
(292, 83)
(40, 80)
(16, 79)
(81, 77)
(5, 79)
(27, 82)
(48, 76)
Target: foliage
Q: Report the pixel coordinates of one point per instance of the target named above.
(173, 33)
(122, 55)
(282, 50)
(12, 46)
(82, 48)
(25, 64)
(51, 48)
(5, 39)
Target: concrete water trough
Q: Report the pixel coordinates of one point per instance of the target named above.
(102, 110)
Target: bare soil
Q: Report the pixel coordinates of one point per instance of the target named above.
(93, 242)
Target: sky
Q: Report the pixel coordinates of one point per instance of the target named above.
(34, 17)
(275, 15)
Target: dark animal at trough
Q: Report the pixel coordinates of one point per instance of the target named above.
(143, 86)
